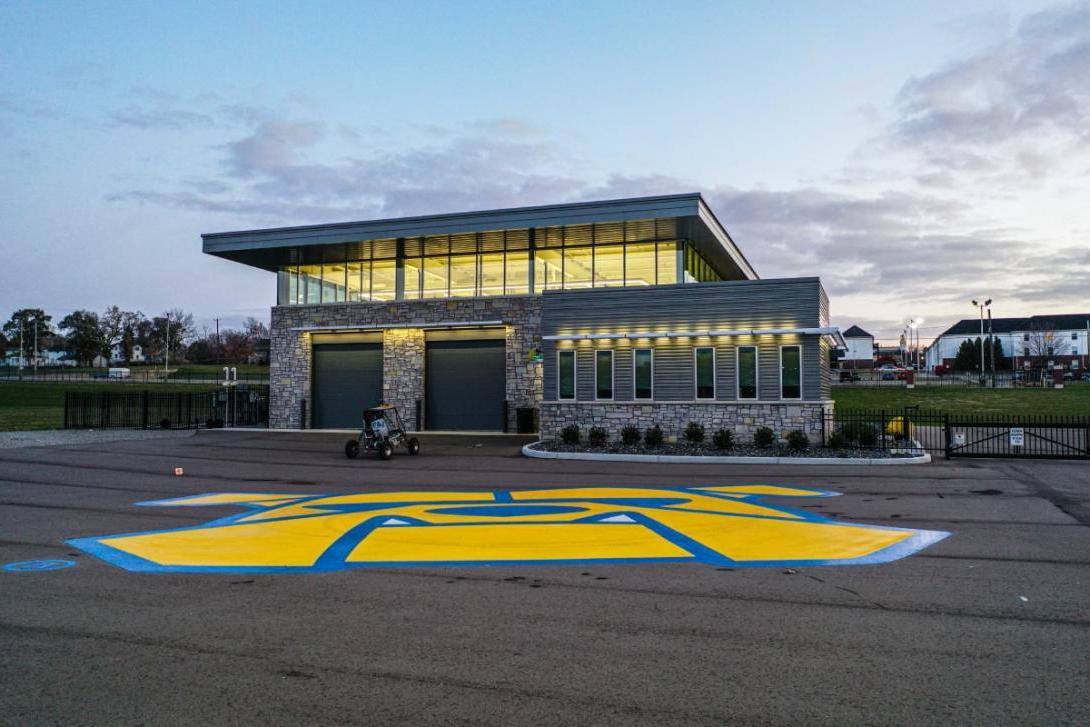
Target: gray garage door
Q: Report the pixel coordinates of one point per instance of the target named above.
(347, 379)
(465, 385)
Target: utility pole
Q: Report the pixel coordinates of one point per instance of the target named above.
(991, 346)
(982, 306)
(166, 351)
(35, 347)
(22, 348)
(217, 331)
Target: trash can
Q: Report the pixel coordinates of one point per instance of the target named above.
(526, 419)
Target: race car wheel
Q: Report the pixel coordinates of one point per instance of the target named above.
(414, 446)
(385, 451)
(351, 449)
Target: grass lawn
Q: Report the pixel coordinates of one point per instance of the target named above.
(1072, 399)
(41, 405)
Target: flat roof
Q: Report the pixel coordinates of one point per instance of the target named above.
(274, 247)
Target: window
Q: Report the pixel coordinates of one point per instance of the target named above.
(643, 373)
(747, 372)
(667, 259)
(332, 283)
(310, 284)
(603, 374)
(463, 276)
(578, 264)
(1025, 351)
(609, 266)
(436, 277)
(1025, 336)
(704, 363)
(639, 264)
(492, 273)
(517, 273)
(790, 372)
(565, 374)
(383, 279)
(1074, 336)
(547, 270)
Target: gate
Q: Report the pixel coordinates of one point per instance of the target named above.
(1030, 437)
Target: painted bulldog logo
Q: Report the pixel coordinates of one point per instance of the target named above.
(731, 526)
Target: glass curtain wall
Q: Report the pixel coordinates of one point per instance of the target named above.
(498, 263)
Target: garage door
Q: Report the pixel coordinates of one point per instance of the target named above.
(347, 379)
(465, 385)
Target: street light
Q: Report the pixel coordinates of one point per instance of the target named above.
(982, 306)
(914, 325)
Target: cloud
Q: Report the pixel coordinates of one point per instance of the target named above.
(1023, 100)
(169, 119)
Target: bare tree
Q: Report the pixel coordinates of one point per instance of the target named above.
(1044, 342)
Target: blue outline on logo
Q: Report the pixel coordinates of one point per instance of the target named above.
(37, 566)
(333, 559)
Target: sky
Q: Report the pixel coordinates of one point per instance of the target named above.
(915, 155)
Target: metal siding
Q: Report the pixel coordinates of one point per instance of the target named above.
(795, 302)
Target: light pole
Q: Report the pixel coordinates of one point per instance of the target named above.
(166, 351)
(914, 326)
(982, 306)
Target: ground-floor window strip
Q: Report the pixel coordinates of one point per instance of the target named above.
(746, 366)
(603, 374)
(704, 372)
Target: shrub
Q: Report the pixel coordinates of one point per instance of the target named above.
(694, 433)
(763, 437)
(630, 435)
(861, 433)
(723, 439)
(570, 434)
(837, 440)
(653, 436)
(597, 436)
(797, 440)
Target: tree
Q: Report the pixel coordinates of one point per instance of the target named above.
(1044, 342)
(83, 337)
(27, 320)
(119, 329)
(180, 333)
(996, 358)
(255, 329)
(968, 356)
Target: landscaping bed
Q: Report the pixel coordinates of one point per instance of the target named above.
(687, 449)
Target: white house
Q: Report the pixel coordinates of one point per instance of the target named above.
(1030, 342)
(860, 351)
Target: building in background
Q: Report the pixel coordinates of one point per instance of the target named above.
(1031, 342)
(860, 349)
(635, 311)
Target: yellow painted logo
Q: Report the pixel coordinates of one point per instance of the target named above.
(732, 526)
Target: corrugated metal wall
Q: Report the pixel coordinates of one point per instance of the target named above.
(791, 303)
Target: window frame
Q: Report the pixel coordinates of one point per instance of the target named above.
(612, 374)
(756, 373)
(696, 375)
(799, 347)
(635, 388)
(574, 374)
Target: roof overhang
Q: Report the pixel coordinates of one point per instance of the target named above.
(270, 249)
(440, 326)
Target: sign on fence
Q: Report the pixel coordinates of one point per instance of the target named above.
(959, 439)
(1018, 437)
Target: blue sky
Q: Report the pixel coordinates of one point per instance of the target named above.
(913, 154)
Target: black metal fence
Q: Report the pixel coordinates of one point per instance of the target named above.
(135, 376)
(912, 429)
(1033, 378)
(241, 406)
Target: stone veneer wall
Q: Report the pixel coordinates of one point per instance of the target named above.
(742, 418)
(403, 349)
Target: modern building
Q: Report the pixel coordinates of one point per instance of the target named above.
(1030, 342)
(860, 349)
(634, 311)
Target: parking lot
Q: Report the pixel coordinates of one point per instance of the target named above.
(989, 625)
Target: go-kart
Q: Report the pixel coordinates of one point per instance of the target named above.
(382, 431)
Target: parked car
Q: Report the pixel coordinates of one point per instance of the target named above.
(1086, 377)
(848, 377)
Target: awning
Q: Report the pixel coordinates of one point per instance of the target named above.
(442, 325)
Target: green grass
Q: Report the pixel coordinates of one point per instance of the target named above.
(41, 405)
(1072, 399)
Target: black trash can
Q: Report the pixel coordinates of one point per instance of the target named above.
(526, 419)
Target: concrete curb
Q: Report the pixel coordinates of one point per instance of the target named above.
(528, 451)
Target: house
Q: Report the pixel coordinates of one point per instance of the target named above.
(633, 311)
(1030, 342)
(860, 349)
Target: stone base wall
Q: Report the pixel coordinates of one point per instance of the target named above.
(742, 418)
(290, 358)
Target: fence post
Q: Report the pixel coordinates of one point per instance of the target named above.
(144, 406)
(106, 409)
(66, 395)
(882, 431)
(946, 434)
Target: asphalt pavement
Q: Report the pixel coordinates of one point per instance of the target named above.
(989, 626)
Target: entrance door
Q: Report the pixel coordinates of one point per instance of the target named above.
(347, 380)
(466, 384)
